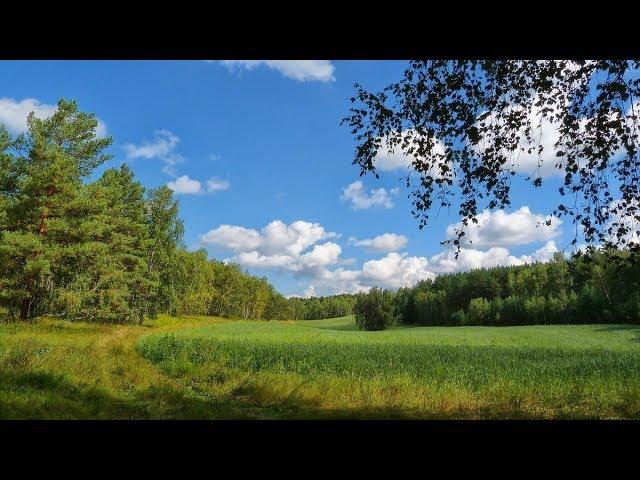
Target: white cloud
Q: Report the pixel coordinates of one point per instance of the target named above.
(233, 237)
(388, 161)
(301, 70)
(470, 258)
(310, 264)
(361, 200)
(387, 242)
(499, 228)
(258, 260)
(293, 248)
(291, 239)
(396, 270)
(298, 248)
(186, 185)
(163, 144)
(545, 253)
(320, 256)
(308, 292)
(545, 134)
(162, 147)
(14, 113)
(216, 185)
(278, 245)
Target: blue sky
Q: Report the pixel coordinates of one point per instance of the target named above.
(248, 144)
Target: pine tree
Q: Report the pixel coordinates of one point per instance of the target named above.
(165, 232)
(42, 177)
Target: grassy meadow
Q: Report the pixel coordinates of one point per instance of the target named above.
(202, 367)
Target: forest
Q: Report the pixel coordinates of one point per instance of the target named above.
(109, 250)
(603, 287)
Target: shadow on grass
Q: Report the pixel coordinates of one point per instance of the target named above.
(48, 395)
(622, 328)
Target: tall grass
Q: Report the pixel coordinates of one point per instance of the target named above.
(211, 368)
(537, 371)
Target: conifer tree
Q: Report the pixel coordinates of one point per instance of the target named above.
(42, 177)
(107, 274)
(165, 231)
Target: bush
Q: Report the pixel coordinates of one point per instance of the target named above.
(459, 318)
(374, 310)
(513, 311)
(479, 311)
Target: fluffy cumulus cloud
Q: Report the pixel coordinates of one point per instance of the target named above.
(545, 133)
(501, 229)
(545, 253)
(387, 242)
(185, 185)
(308, 292)
(312, 254)
(321, 255)
(292, 247)
(233, 237)
(470, 258)
(360, 199)
(395, 270)
(14, 113)
(300, 70)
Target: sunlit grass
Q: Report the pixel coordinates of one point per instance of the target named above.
(211, 368)
(328, 366)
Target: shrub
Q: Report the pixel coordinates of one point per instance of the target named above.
(374, 310)
(513, 310)
(459, 318)
(479, 311)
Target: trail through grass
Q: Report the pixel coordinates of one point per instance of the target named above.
(212, 368)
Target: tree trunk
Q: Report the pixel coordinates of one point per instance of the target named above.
(24, 308)
(25, 305)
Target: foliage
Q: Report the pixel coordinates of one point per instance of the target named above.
(42, 202)
(374, 310)
(465, 123)
(103, 250)
(600, 289)
(315, 308)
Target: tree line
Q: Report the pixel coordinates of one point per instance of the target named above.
(601, 288)
(106, 250)
(109, 250)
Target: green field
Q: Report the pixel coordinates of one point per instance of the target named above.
(212, 368)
